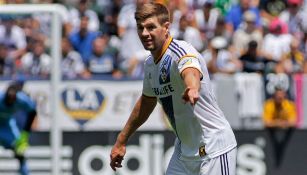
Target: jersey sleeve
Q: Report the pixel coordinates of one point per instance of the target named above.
(26, 103)
(147, 87)
(189, 61)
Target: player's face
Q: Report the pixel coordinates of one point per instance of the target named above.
(10, 98)
(152, 34)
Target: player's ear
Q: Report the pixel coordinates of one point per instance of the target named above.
(167, 25)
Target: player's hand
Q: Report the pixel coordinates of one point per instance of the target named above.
(117, 155)
(190, 95)
(22, 143)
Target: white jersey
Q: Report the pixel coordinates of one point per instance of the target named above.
(202, 130)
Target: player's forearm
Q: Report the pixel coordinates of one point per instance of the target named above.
(30, 119)
(133, 123)
(140, 113)
(191, 77)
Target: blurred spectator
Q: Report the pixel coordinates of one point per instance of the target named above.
(305, 67)
(221, 30)
(279, 116)
(251, 60)
(108, 11)
(131, 51)
(303, 43)
(293, 60)
(12, 36)
(82, 40)
(294, 16)
(219, 59)
(33, 31)
(235, 15)
(44, 20)
(102, 60)
(36, 62)
(270, 9)
(223, 6)
(188, 33)
(206, 20)
(195, 4)
(6, 63)
(76, 14)
(72, 65)
(277, 42)
(246, 32)
(176, 9)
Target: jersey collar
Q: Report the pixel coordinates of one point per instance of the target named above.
(164, 48)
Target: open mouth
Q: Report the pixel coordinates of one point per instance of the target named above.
(147, 42)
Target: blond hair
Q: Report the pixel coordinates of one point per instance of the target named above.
(150, 10)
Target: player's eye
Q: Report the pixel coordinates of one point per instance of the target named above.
(140, 28)
(150, 28)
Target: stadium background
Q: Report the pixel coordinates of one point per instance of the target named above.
(94, 106)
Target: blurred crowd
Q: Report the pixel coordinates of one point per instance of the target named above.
(99, 37)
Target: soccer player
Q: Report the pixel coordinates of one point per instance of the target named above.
(11, 101)
(176, 76)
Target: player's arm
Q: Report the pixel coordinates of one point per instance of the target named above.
(28, 106)
(140, 113)
(30, 118)
(22, 142)
(191, 77)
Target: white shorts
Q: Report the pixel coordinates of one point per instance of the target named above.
(224, 164)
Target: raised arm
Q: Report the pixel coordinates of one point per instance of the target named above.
(191, 77)
(140, 113)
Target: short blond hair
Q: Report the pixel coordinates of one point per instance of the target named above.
(150, 10)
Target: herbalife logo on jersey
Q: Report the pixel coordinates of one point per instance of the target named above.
(164, 76)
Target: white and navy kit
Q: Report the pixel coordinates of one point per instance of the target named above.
(202, 131)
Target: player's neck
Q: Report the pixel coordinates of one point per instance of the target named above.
(160, 52)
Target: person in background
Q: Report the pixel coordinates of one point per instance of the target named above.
(206, 20)
(251, 59)
(7, 67)
(293, 60)
(234, 17)
(131, 52)
(12, 36)
(36, 62)
(82, 40)
(295, 17)
(72, 65)
(277, 42)
(221, 30)
(188, 33)
(246, 32)
(279, 118)
(103, 61)
(219, 59)
(75, 16)
(303, 43)
(11, 137)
